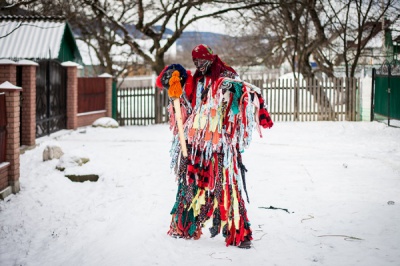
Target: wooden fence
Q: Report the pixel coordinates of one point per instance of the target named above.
(309, 100)
(3, 124)
(91, 94)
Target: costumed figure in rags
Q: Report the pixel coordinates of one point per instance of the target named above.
(218, 114)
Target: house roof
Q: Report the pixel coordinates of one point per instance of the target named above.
(373, 28)
(37, 37)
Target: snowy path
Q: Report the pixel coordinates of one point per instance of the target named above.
(335, 178)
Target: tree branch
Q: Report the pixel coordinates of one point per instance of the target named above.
(16, 4)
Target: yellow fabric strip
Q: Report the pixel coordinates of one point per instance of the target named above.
(203, 121)
(214, 123)
(235, 205)
(198, 201)
(196, 121)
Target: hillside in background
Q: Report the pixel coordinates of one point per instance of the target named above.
(189, 39)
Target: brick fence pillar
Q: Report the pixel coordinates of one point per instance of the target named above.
(108, 80)
(8, 71)
(28, 108)
(13, 114)
(72, 94)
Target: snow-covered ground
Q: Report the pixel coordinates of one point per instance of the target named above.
(339, 181)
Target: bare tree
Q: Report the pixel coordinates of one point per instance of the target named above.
(329, 33)
(107, 24)
(152, 18)
(359, 22)
(326, 32)
(295, 32)
(13, 5)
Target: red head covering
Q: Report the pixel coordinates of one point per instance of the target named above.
(202, 51)
(217, 67)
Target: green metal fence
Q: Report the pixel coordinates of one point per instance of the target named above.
(386, 93)
(114, 100)
(144, 105)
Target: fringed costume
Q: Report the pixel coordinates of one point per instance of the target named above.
(219, 114)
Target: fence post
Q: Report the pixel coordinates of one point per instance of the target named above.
(351, 99)
(296, 100)
(157, 106)
(8, 71)
(13, 126)
(72, 94)
(28, 108)
(114, 99)
(347, 99)
(158, 101)
(373, 93)
(357, 113)
(388, 91)
(355, 98)
(108, 80)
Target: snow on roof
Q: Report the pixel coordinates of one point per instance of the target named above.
(38, 38)
(396, 30)
(6, 62)
(25, 62)
(376, 41)
(70, 64)
(105, 75)
(88, 53)
(291, 76)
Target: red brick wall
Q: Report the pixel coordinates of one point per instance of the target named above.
(13, 145)
(12, 154)
(3, 175)
(8, 73)
(88, 119)
(28, 123)
(72, 97)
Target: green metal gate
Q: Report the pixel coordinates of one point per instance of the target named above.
(386, 92)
